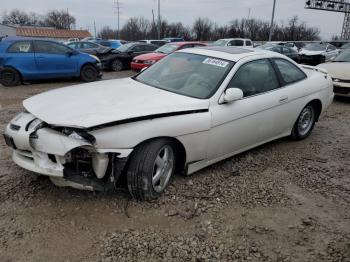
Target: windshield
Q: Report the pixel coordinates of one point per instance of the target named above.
(346, 46)
(125, 47)
(343, 57)
(167, 49)
(187, 74)
(220, 42)
(315, 47)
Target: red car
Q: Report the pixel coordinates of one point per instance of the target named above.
(149, 59)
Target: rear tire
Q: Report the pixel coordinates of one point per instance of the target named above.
(10, 77)
(89, 73)
(151, 168)
(305, 122)
(117, 65)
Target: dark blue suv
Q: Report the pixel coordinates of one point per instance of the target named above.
(25, 59)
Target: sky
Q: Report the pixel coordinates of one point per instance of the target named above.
(185, 11)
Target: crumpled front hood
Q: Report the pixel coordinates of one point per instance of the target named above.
(339, 70)
(97, 103)
(307, 52)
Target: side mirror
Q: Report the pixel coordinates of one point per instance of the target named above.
(130, 52)
(231, 95)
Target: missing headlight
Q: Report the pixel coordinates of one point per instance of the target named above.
(79, 135)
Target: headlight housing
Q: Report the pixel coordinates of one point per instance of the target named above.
(149, 62)
(79, 135)
(96, 58)
(34, 125)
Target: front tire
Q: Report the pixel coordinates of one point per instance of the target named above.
(151, 168)
(10, 77)
(305, 122)
(117, 65)
(89, 73)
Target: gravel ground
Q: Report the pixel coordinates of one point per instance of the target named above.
(284, 201)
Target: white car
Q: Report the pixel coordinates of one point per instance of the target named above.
(233, 42)
(339, 69)
(316, 53)
(191, 109)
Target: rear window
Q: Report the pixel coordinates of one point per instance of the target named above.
(290, 73)
(21, 47)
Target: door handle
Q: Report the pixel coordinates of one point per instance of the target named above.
(283, 99)
(40, 56)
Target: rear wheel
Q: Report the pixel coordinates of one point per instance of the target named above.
(305, 123)
(10, 77)
(117, 65)
(151, 168)
(88, 73)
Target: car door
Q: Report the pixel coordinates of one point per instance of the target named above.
(55, 60)
(257, 118)
(20, 55)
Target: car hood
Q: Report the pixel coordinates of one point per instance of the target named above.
(94, 104)
(150, 56)
(340, 70)
(307, 52)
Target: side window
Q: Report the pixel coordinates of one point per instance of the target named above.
(255, 77)
(248, 43)
(286, 51)
(50, 48)
(150, 48)
(138, 48)
(236, 43)
(290, 73)
(21, 47)
(73, 45)
(331, 48)
(185, 46)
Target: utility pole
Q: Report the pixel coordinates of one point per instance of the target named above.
(153, 25)
(249, 10)
(272, 18)
(94, 28)
(117, 11)
(159, 22)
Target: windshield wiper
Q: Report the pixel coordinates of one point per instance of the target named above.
(341, 61)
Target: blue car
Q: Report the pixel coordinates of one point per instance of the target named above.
(111, 43)
(25, 59)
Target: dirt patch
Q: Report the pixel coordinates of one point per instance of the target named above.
(284, 201)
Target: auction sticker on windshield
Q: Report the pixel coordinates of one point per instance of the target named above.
(215, 62)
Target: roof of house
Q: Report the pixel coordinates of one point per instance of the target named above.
(51, 33)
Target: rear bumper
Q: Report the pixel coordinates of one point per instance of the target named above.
(311, 59)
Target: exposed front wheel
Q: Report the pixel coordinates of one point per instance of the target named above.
(305, 123)
(10, 77)
(89, 73)
(117, 65)
(151, 168)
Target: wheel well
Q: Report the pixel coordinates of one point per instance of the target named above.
(20, 75)
(179, 148)
(88, 63)
(318, 105)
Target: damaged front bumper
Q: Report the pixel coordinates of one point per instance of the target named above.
(69, 159)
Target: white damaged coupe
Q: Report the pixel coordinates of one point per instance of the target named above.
(193, 108)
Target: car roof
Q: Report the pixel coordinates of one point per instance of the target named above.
(186, 43)
(229, 53)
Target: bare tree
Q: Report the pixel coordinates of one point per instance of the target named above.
(59, 19)
(202, 28)
(108, 33)
(16, 17)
